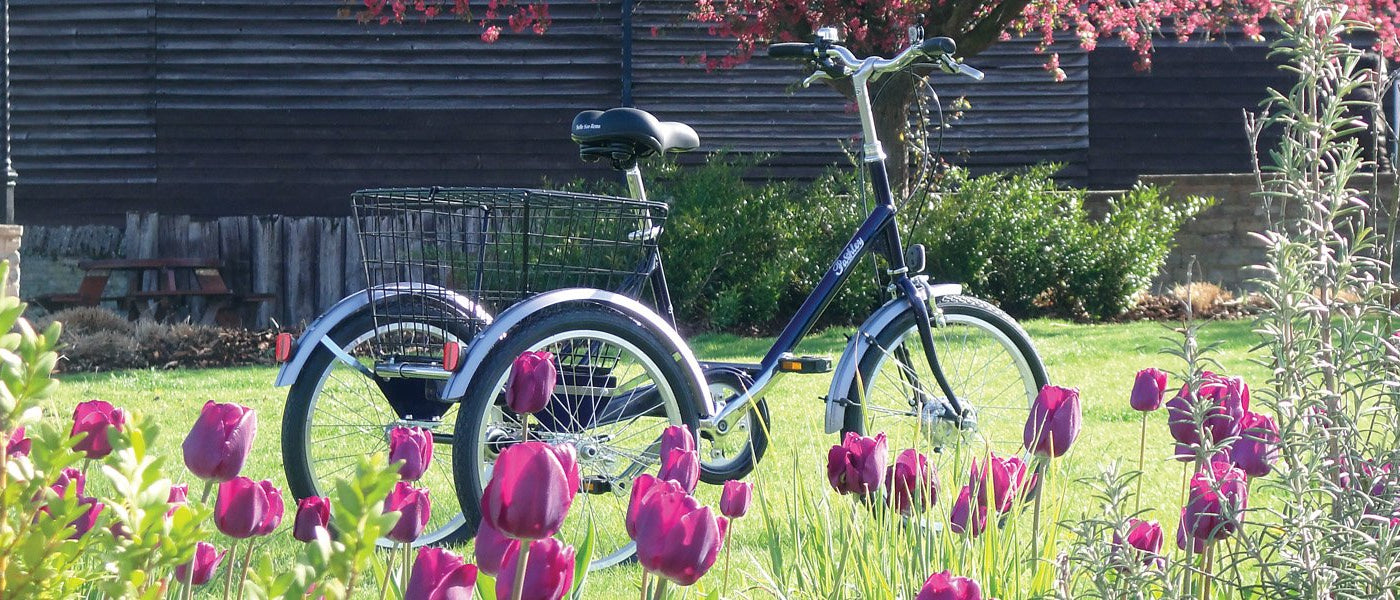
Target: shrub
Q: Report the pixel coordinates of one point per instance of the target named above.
(1023, 242)
(86, 320)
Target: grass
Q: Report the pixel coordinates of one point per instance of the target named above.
(1098, 359)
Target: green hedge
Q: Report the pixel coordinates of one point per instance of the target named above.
(741, 255)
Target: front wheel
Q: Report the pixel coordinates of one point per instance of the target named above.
(619, 388)
(988, 360)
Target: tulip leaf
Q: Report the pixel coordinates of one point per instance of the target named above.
(582, 559)
(485, 586)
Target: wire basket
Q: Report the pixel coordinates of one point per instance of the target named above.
(496, 247)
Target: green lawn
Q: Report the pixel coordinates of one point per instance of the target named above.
(1098, 359)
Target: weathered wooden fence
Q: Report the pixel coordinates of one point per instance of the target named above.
(308, 263)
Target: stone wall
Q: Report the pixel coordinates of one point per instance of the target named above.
(1219, 238)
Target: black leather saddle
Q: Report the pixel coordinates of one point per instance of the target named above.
(625, 134)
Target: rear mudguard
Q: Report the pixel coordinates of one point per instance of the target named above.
(844, 376)
(484, 343)
(359, 302)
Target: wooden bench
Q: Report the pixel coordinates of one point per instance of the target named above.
(160, 288)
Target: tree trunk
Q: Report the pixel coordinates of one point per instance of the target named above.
(891, 103)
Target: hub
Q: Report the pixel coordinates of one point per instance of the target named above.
(941, 425)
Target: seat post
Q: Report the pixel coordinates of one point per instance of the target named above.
(634, 183)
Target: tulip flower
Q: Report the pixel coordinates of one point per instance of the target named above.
(1180, 422)
(966, 515)
(313, 512)
(1182, 538)
(440, 575)
(676, 437)
(1144, 539)
(676, 537)
(910, 484)
(413, 446)
(943, 586)
(86, 521)
(241, 507)
(641, 489)
(532, 486)
(1148, 390)
(548, 575)
(857, 465)
(69, 477)
(682, 467)
(1257, 448)
(275, 508)
(1229, 398)
(491, 548)
(414, 509)
(994, 483)
(200, 569)
(1216, 495)
(218, 444)
(178, 494)
(735, 499)
(18, 445)
(93, 418)
(1054, 421)
(531, 382)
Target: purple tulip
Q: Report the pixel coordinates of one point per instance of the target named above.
(642, 488)
(200, 569)
(94, 417)
(676, 437)
(676, 537)
(682, 467)
(491, 548)
(1257, 448)
(1228, 401)
(313, 512)
(532, 486)
(910, 483)
(1054, 421)
(531, 382)
(413, 446)
(275, 508)
(1182, 538)
(735, 499)
(86, 521)
(1148, 390)
(992, 484)
(218, 444)
(1180, 422)
(178, 494)
(857, 465)
(440, 575)
(240, 508)
(414, 509)
(966, 515)
(18, 445)
(69, 477)
(549, 571)
(1216, 496)
(1144, 540)
(943, 586)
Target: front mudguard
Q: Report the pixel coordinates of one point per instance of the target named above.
(844, 376)
(485, 342)
(362, 301)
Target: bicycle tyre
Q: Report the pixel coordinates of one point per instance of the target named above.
(482, 420)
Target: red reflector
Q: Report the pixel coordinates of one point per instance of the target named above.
(451, 356)
(282, 351)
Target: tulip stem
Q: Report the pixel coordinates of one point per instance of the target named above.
(1142, 451)
(407, 553)
(660, 589)
(388, 575)
(1035, 521)
(243, 575)
(645, 573)
(1184, 468)
(518, 587)
(1206, 573)
(727, 549)
(525, 427)
(228, 575)
(208, 485)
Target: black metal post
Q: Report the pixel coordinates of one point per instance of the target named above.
(11, 177)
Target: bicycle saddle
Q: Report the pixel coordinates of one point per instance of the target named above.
(629, 131)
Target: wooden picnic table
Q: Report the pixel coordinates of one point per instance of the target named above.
(160, 288)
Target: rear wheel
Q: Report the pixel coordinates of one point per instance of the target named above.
(620, 387)
(336, 414)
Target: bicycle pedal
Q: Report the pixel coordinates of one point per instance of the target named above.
(805, 365)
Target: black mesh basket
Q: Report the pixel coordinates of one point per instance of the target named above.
(495, 246)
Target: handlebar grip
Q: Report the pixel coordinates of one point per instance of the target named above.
(938, 45)
(793, 50)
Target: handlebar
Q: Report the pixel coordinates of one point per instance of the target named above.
(836, 61)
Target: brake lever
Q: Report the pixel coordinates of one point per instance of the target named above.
(951, 66)
(815, 77)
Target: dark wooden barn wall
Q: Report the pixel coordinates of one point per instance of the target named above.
(1184, 116)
